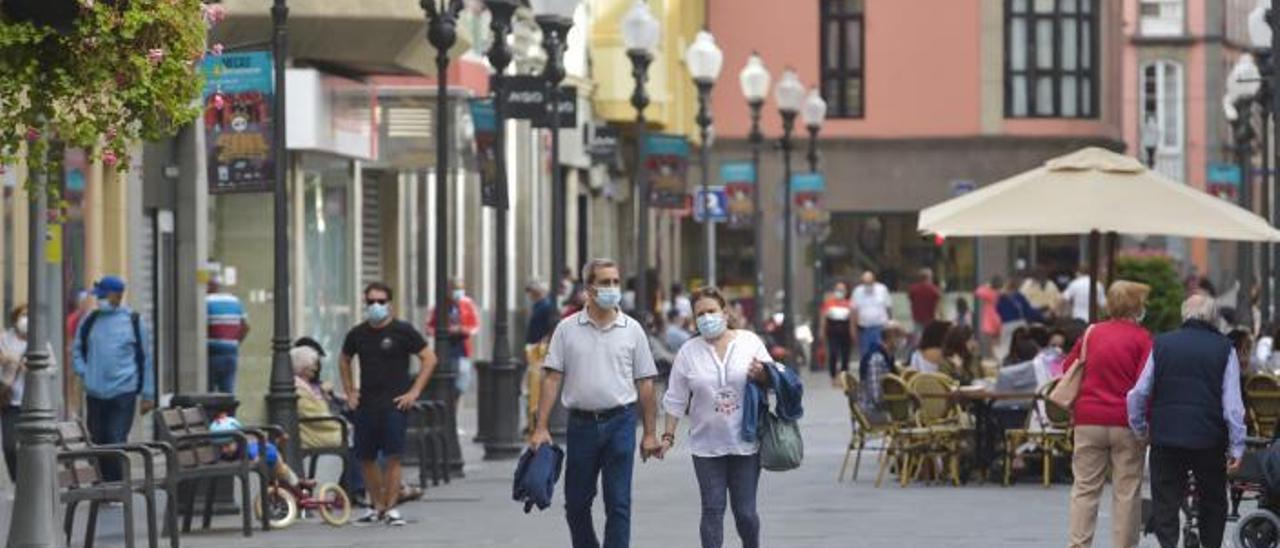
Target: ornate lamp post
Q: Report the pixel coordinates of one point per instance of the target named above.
(1259, 24)
(282, 399)
(789, 94)
(640, 33)
(555, 18)
(814, 113)
(504, 391)
(704, 60)
(442, 35)
(755, 81)
(1243, 83)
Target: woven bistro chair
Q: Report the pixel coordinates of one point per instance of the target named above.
(1262, 404)
(903, 435)
(940, 418)
(864, 428)
(1047, 432)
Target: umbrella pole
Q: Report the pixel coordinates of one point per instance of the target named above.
(1113, 247)
(1095, 242)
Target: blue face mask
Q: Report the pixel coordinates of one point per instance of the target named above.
(105, 305)
(712, 326)
(376, 312)
(608, 297)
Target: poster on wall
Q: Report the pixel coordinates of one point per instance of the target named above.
(238, 121)
(806, 194)
(486, 126)
(666, 161)
(739, 180)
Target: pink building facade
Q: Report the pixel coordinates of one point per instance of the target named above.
(927, 99)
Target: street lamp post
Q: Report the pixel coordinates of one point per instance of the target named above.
(282, 398)
(1150, 139)
(442, 34)
(503, 402)
(704, 60)
(640, 32)
(1259, 26)
(555, 18)
(789, 94)
(754, 79)
(1242, 86)
(814, 113)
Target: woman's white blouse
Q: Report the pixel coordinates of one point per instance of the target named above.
(709, 392)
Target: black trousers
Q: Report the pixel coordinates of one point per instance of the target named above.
(839, 348)
(1169, 468)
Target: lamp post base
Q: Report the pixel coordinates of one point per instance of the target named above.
(444, 388)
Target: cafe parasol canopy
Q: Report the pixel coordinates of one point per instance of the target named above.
(1094, 191)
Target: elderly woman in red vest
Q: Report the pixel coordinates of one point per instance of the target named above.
(1113, 353)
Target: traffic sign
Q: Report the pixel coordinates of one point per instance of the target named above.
(715, 200)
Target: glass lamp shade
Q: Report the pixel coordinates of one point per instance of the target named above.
(559, 8)
(704, 58)
(814, 111)
(1259, 29)
(1150, 133)
(1244, 80)
(789, 93)
(640, 30)
(754, 79)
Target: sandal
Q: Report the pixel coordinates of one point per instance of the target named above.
(410, 493)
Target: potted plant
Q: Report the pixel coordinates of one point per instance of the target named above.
(101, 77)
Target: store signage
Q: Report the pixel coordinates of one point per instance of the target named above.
(666, 165)
(484, 120)
(238, 122)
(525, 98)
(806, 193)
(739, 180)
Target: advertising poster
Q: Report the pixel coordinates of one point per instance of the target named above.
(666, 160)
(806, 195)
(739, 180)
(486, 126)
(238, 121)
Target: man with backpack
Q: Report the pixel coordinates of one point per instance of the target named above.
(111, 356)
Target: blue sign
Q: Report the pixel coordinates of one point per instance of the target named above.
(806, 192)
(238, 122)
(739, 180)
(1224, 174)
(807, 182)
(716, 201)
(960, 187)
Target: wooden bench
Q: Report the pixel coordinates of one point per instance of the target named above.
(199, 461)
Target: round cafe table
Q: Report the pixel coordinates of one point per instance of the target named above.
(979, 400)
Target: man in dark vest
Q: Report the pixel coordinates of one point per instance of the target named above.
(1190, 391)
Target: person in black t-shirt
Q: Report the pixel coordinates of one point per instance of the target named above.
(383, 345)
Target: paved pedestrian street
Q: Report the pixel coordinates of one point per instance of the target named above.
(802, 508)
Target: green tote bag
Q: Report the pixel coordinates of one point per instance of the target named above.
(781, 447)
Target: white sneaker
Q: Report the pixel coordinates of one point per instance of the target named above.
(394, 518)
(370, 517)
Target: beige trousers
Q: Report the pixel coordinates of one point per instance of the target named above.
(1097, 450)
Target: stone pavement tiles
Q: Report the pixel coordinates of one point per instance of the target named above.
(801, 508)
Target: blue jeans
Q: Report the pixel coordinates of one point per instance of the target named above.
(738, 476)
(603, 451)
(109, 422)
(222, 373)
(868, 336)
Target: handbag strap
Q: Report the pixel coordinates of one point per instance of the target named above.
(1084, 346)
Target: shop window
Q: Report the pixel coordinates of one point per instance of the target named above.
(842, 45)
(1051, 58)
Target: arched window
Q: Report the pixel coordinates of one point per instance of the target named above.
(1161, 102)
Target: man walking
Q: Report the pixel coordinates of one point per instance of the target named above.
(464, 323)
(924, 296)
(228, 326)
(385, 393)
(543, 317)
(1192, 383)
(113, 358)
(872, 301)
(604, 360)
(1077, 295)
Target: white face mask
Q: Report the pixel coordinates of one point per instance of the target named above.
(711, 326)
(21, 325)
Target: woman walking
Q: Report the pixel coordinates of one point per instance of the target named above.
(837, 331)
(1113, 353)
(708, 380)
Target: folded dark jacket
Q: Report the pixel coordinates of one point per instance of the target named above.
(536, 476)
(788, 392)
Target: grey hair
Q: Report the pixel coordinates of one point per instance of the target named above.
(589, 270)
(536, 284)
(1200, 307)
(304, 358)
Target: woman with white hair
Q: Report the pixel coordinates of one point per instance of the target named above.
(312, 401)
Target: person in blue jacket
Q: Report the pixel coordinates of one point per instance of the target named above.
(111, 356)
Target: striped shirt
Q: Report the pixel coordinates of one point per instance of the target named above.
(226, 318)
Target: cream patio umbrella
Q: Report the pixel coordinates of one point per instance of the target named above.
(1094, 191)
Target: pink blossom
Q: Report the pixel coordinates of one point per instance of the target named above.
(109, 158)
(33, 134)
(218, 101)
(155, 55)
(217, 49)
(213, 14)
